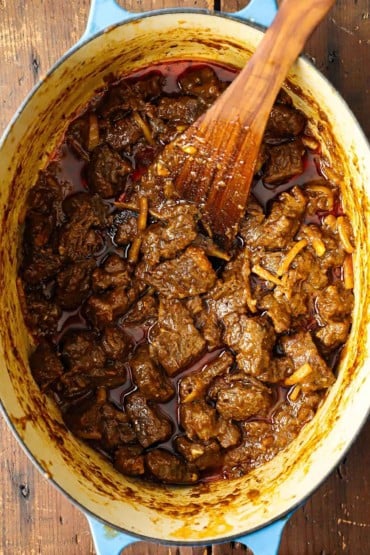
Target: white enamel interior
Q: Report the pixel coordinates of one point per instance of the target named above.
(219, 510)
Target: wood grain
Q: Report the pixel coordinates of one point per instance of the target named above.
(36, 518)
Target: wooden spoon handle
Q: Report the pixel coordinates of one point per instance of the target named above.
(234, 125)
(261, 79)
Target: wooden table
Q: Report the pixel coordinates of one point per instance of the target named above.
(35, 518)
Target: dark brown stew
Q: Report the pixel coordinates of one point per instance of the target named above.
(178, 361)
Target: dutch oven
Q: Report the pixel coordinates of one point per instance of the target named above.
(252, 509)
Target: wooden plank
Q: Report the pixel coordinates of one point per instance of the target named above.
(146, 5)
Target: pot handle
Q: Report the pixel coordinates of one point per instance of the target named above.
(261, 12)
(104, 13)
(108, 541)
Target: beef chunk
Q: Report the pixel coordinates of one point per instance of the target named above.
(80, 237)
(115, 344)
(145, 309)
(45, 197)
(227, 297)
(129, 460)
(285, 161)
(201, 422)
(232, 293)
(81, 351)
(198, 419)
(150, 425)
(77, 136)
(115, 272)
(284, 122)
(227, 433)
(119, 100)
(201, 82)
(277, 307)
(161, 242)
(45, 365)
(101, 422)
(280, 227)
(175, 340)
(38, 229)
(119, 291)
(40, 265)
(85, 205)
(333, 335)
(301, 350)
(77, 239)
(148, 88)
(168, 468)
(115, 426)
(104, 309)
(122, 133)
(84, 355)
(74, 284)
(203, 455)
(334, 303)
(207, 323)
(194, 385)
(149, 378)
(107, 172)
(189, 274)
(252, 339)
(126, 227)
(41, 314)
(183, 109)
(238, 397)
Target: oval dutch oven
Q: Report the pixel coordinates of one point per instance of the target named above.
(252, 509)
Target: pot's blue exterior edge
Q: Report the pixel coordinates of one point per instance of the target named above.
(105, 13)
(262, 12)
(267, 540)
(108, 541)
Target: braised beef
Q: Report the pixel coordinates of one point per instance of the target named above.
(150, 379)
(130, 460)
(284, 122)
(175, 341)
(45, 365)
(168, 468)
(238, 397)
(100, 421)
(180, 361)
(107, 172)
(164, 240)
(150, 425)
(74, 284)
(204, 455)
(188, 274)
(253, 340)
(285, 161)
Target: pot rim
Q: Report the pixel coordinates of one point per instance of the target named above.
(82, 42)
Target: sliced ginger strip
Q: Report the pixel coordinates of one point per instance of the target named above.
(294, 394)
(265, 274)
(142, 220)
(296, 249)
(344, 234)
(348, 278)
(144, 127)
(299, 375)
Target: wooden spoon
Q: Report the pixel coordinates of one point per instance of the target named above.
(213, 162)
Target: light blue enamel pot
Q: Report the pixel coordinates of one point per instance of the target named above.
(120, 510)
